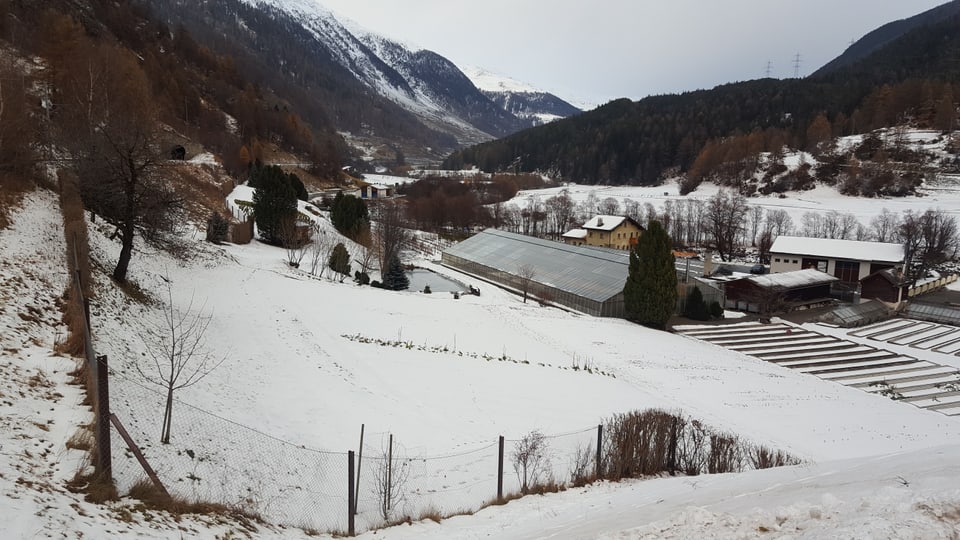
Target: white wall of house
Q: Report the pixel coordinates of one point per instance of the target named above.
(785, 262)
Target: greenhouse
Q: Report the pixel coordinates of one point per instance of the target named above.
(586, 279)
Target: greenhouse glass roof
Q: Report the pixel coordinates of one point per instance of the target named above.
(591, 272)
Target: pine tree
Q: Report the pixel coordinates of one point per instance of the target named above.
(349, 215)
(650, 294)
(395, 279)
(696, 308)
(340, 261)
(274, 201)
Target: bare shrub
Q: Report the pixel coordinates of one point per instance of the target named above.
(390, 476)
(692, 448)
(530, 460)
(581, 472)
(726, 454)
(642, 443)
(761, 457)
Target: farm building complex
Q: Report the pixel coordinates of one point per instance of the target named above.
(583, 278)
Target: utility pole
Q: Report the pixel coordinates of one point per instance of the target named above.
(769, 68)
(796, 66)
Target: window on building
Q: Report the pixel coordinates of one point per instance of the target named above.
(776, 260)
(847, 271)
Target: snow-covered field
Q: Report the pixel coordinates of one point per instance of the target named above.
(300, 376)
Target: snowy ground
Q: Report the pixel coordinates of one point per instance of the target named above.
(291, 374)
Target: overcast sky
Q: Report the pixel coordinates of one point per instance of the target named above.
(592, 51)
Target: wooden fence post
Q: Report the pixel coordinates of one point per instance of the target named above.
(351, 530)
(104, 462)
(359, 463)
(388, 494)
(139, 455)
(500, 472)
(599, 451)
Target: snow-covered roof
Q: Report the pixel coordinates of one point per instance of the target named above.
(832, 248)
(604, 223)
(576, 233)
(790, 280)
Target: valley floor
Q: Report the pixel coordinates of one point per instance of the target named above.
(301, 375)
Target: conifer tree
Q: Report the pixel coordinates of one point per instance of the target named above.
(395, 279)
(340, 261)
(650, 294)
(349, 215)
(696, 308)
(274, 201)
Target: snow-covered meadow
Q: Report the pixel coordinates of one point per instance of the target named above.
(301, 371)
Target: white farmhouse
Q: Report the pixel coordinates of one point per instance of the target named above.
(848, 260)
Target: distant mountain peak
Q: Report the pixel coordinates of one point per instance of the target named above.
(489, 81)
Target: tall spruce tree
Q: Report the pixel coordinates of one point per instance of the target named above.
(274, 201)
(650, 294)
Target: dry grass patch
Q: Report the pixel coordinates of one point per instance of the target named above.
(13, 187)
(155, 499)
(82, 439)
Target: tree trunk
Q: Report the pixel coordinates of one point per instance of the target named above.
(126, 252)
(167, 417)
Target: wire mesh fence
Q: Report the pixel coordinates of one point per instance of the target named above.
(214, 460)
(211, 459)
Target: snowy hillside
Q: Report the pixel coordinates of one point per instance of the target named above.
(308, 360)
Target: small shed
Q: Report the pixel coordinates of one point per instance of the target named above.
(779, 292)
(889, 285)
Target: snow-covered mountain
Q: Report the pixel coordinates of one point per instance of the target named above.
(420, 81)
(520, 99)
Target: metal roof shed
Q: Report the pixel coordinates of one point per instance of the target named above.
(582, 278)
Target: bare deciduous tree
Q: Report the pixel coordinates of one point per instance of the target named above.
(295, 239)
(176, 354)
(390, 479)
(756, 218)
(779, 222)
(530, 460)
(725, 217)
(111, 130)
(390, 231)
(526, 273)
(560, 210)
(885, 225)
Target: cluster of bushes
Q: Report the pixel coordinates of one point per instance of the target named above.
(641, 444)
(644, 443)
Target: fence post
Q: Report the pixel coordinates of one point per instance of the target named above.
(388, 495)
(500, 472)
(351, 531)
(599, 453)
(104, 462)
(359, 463)
(139, 455)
